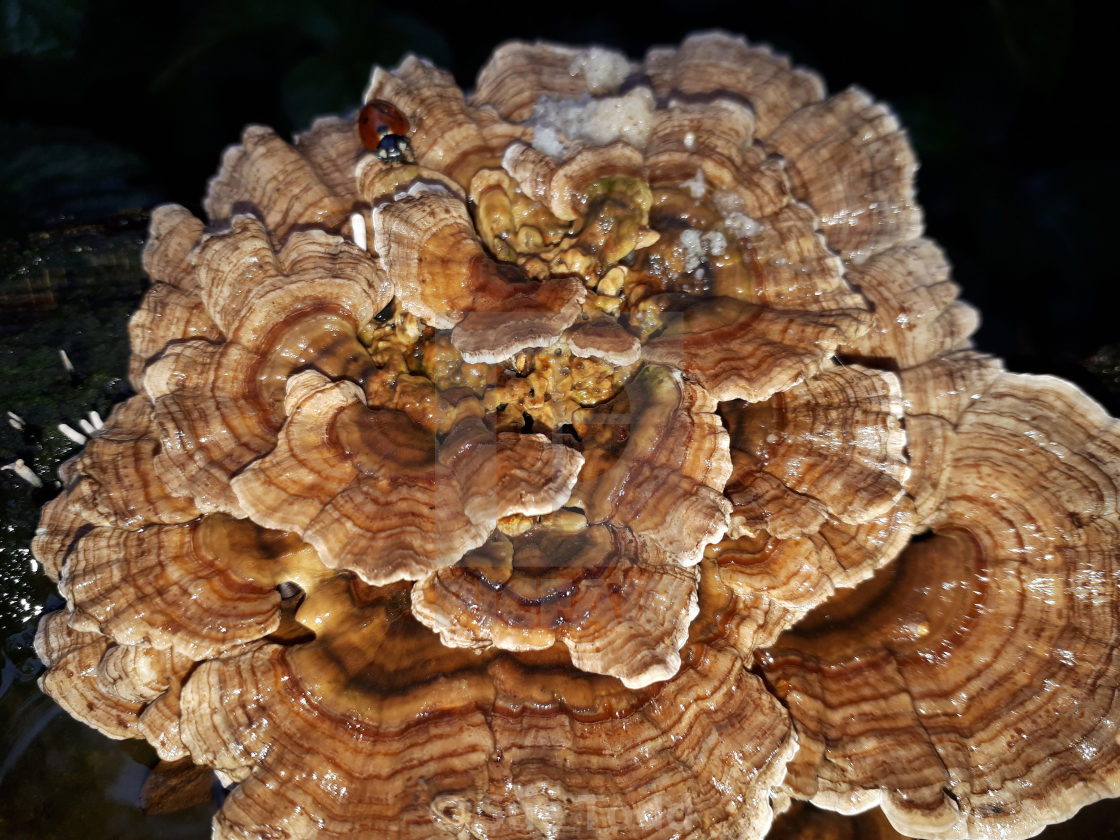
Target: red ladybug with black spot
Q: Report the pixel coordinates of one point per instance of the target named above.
(384, 131)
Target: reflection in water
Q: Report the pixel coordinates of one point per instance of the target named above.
(60, 779)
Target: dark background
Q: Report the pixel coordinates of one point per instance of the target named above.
(106, 111)
(102, 109)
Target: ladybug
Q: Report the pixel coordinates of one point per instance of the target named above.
(383, 129)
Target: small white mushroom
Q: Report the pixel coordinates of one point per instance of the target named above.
(23, 471)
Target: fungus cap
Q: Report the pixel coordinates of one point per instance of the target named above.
(613, 463)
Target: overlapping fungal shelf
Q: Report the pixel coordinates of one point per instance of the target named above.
(607, 459)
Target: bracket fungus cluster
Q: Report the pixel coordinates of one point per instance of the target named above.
(605, 455)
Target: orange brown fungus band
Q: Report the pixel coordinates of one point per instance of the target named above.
(616, 464)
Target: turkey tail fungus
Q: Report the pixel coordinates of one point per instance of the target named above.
(603, 454)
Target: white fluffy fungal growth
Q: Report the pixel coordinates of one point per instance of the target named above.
(742, 226)
(560, 123)
(692, 249)
(714, 242)
(696, 247)
(604, 70)
(735, 221)
(696, 185)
